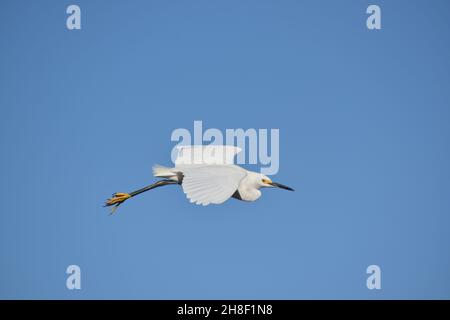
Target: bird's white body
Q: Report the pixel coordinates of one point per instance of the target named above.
(205, 184)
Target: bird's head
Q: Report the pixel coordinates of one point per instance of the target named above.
(267, 182)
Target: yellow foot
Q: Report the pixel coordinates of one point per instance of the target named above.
(117, 199)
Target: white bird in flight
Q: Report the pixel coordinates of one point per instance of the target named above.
(207, 175)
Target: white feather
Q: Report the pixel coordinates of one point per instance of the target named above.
(205, 184)
(206, 154)
(164, 172)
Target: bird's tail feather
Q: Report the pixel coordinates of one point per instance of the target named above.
(162, 172)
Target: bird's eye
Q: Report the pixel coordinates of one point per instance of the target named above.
(265, 181)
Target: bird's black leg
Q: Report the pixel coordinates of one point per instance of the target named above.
(153, 186)
(120, 197)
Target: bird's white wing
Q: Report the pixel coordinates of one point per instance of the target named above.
(205, 184)
(208, 154)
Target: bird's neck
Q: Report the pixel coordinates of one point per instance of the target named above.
(249, 188)
(249, 194)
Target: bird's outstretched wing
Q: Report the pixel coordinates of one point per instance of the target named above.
(205, 154)
(211, 183)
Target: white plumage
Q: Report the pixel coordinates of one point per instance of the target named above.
(205, 184)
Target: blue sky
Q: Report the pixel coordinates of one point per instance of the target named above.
(364, 139)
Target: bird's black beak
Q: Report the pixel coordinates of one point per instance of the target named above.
(282, 186)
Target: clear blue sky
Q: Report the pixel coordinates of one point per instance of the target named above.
(364, 136)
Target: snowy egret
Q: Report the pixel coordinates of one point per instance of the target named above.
(207, 175)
